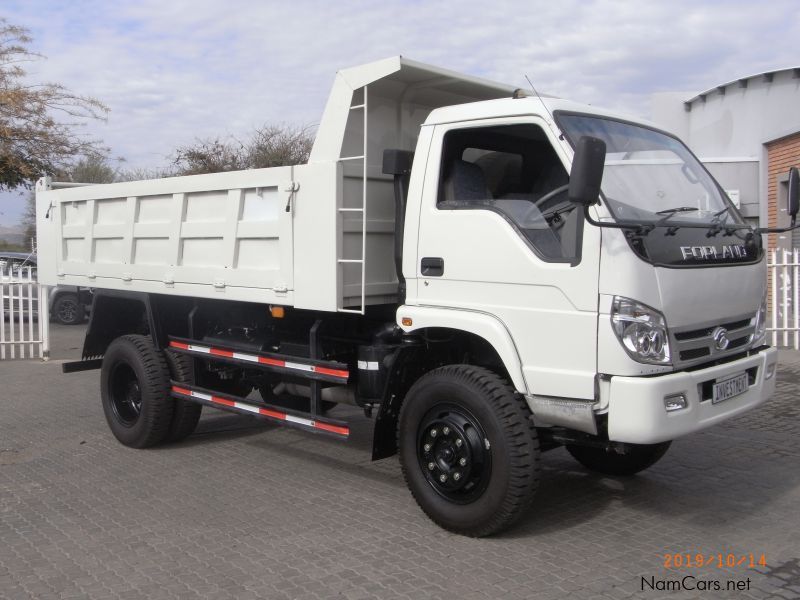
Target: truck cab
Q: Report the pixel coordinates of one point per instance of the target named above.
(642, 317)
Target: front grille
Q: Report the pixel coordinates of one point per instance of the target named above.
(695, 344)
(706, 331)
(738, 343)
(695, 353)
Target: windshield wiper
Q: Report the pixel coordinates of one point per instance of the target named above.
(717, 220)
(668, 212)
(672, 211)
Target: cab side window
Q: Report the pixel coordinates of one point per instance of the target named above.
(514, 171)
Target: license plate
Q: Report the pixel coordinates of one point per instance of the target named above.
(729, 387)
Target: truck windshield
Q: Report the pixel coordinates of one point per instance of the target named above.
(650, 176)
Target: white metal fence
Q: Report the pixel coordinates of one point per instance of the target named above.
(24, 328)
(784, 272)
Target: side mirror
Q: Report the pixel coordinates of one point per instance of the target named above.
(793, 197)
(587, 170)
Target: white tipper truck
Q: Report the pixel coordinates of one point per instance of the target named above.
(490, 273)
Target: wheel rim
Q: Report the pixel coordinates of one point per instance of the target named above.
(67, 310)
(126, 395)
(454, 453)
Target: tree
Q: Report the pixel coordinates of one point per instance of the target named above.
(92, 169)
(209, 156)
(278, 146)
(268, 146)
(38, 122)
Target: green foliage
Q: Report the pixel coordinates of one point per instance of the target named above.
(92, 169)
(278, 146)
(268, 146)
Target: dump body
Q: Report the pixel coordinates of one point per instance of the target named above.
(317, 236)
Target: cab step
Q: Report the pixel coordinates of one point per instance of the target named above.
(306, 421)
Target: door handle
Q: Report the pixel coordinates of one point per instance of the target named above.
(432, 266)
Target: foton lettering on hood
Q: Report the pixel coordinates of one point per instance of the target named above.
(713, 253)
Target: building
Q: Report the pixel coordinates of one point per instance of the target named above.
(747, 133)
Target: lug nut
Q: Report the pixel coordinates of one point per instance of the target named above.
(445, 430)
(456, 476)
(427, 447)
(462, 461)
(459, 442)
(431, 466)
(442, 477)
(434, 432)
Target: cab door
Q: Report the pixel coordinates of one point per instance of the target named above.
(498, 236)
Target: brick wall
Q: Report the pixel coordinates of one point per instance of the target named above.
(781, 155)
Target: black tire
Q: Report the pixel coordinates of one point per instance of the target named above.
(185, 414)
(638, 458)
(295, 403)
(497, 481)
(134, 386)
(68, 310)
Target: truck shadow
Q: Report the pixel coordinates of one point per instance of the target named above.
(708, 496)
(700, 483)
(216, 426)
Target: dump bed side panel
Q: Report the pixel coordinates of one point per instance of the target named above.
(221, 235)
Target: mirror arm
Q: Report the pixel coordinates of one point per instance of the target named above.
(776, 229)
(641, 228)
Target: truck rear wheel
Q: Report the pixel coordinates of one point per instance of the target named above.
(638, 458)
(134, 386)
(185, 414)
(468, 450)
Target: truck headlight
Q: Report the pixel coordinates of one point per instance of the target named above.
(761, 323)
(641, 330)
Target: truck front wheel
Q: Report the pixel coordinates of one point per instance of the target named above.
(468, 450)
(134, 386)
(637, 457)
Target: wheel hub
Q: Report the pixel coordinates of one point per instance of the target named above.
(126, 394)
(453, 454)
(67, 311)
(134, 396)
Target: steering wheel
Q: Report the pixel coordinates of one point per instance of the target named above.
(551, 194)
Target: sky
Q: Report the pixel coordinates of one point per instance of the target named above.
(173, 71)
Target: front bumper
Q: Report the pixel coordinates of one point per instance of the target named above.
(636, 412)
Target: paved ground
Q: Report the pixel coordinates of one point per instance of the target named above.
(242, 510)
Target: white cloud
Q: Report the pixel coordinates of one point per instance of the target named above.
(179, 69)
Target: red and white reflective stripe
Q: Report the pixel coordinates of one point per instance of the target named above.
(266, 412)
(273, 362)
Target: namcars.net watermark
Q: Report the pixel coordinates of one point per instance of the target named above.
(691, 583)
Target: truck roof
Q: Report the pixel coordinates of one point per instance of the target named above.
(530, 105)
